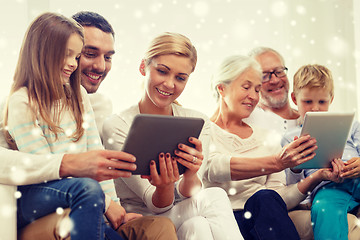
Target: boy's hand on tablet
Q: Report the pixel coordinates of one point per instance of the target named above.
(333, 173)
(351, 168)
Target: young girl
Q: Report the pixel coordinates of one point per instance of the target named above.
(49, 112)
(196, 213)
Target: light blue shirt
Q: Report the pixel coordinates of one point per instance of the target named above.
(352, 149)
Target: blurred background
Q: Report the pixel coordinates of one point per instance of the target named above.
(325, 32)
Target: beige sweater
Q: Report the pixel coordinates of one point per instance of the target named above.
(225, 145)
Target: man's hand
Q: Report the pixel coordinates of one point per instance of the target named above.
(117, 215)
(130, 216)
(98, 164)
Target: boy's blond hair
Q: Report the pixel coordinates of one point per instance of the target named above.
(313, 76)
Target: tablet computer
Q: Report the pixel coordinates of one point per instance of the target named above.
(331, 131)
(149, 135)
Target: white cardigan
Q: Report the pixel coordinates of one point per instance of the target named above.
(226, 145)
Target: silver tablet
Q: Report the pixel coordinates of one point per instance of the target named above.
(149, 135)
(331, 131)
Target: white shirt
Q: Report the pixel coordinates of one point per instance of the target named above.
(270, 121)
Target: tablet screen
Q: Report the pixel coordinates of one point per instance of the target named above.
(149, 135)
(331, 131)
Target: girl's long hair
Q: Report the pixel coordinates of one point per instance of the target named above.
(39, 67)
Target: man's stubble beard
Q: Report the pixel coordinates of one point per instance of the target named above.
(274, 103)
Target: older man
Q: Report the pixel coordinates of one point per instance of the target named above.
(275, 113)
(274, 110)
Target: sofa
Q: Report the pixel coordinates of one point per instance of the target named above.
(40, 230)
(50, 228)
(7, 212)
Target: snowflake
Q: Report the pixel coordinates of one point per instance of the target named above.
(36, 132)
(155, 8)
(232, 191)
(17, 194)
(247, 215)
(65, 227)
(69, 132)
(86, 125)
(110, 141)
(59, 211)
(301, 10)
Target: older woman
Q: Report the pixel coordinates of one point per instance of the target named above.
(247, 161)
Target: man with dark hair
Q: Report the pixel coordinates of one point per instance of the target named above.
(95, 63)
(98, 50)
(92, 19)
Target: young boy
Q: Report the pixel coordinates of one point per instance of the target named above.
(313, 90)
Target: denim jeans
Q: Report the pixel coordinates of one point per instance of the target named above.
(83, 196)
(269, 218)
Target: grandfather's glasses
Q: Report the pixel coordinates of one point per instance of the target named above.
(279, 72)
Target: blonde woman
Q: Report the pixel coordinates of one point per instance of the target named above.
(196, 213)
